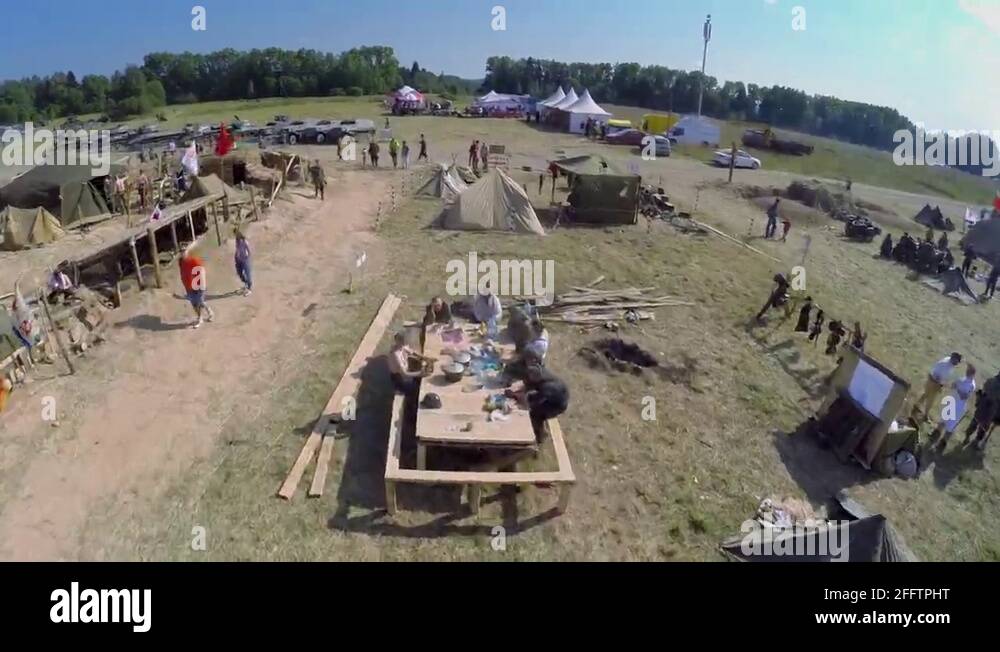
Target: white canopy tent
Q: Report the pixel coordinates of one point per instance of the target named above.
(569, 99)
(494, 101)
(546, 105)
(583, 109)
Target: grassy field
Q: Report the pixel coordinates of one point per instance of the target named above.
(730, 396)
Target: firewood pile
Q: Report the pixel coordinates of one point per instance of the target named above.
(586, 305)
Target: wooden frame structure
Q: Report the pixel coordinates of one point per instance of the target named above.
(321, 436)
(395, 474)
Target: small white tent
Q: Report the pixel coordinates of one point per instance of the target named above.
(694, 130)
(583, 109)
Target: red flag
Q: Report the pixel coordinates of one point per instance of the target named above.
(996, 202)
(225, 142)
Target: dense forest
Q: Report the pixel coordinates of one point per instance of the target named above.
(166, 78)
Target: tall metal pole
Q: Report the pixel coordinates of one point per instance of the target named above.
(707, 33)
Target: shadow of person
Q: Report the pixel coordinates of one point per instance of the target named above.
(949, 465)
(152, 323)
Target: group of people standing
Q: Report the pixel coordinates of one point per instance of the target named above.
(479, 152)
(953, 410)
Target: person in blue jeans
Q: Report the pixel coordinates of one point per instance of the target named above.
(242, 259)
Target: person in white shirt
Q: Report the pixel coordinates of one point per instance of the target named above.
(487, 307)
(939, 376)
(59, 285)
(953, 411)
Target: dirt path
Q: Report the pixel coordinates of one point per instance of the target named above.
(151, 401)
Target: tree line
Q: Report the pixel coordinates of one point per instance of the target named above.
(168, 78)
(665, 89)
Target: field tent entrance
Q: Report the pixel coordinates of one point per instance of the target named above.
(445, 183)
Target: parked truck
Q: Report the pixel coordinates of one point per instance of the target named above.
(766, 139)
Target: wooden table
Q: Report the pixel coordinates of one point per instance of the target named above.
(461, 420)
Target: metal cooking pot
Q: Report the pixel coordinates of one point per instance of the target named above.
(462, 358)
(453, 372)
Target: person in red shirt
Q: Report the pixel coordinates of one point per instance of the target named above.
(193, 277)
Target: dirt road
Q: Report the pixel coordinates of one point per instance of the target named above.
(150, 401)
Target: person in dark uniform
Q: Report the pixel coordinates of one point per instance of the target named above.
(546, 396)
(991, 282)
(967, 263)
(987, 407)
(802, 326)
(886, 250)
(779, 295)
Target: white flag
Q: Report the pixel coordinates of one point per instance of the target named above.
(970, 216)
(190, 160)
(24, 319)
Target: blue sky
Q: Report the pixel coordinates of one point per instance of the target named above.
(934, 60)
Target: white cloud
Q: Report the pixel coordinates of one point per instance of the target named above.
(986, 11)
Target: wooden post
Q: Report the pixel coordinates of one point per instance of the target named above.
(253, 201)
(215, 219)
(732, 162)
(154, 253)
(173, 235)
(225, 209)
(56, 334)
(135, 261)
(475, 494)
(194, 237)
(390, 497)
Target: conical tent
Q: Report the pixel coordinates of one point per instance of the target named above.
(555, 98)
(444, 183)
(571, 98)
(494, 203)
(28, 227)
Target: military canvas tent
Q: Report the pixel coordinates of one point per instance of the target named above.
(445, 183)
(212, 185)
(933, 218)
(866, 537)
(28, 227)
(494, 203)
(600, 191)
(69, 192)
(984, 240)
(585, 108)
(954, 284)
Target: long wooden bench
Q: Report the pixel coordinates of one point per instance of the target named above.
(474, 480)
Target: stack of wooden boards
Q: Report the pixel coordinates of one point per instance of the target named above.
(586, 305)
(322, 435)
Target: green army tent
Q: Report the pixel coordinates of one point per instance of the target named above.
(70, 192)
(984, 240)
(28, 227)
(600, 191)
(211, 184)
(933, 218)
(445, 183)
(494, 203)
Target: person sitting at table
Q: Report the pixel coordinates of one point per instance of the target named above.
(437, 312)
(404, 380)
(487, 309)
(539, 343)
(545, 395)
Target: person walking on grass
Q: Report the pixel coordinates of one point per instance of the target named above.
(484, 155)
(373, 150)
(242, 261)
(394, 152)
(964, 389)
(318, 180)
(192, 270)
(406, 155)
(772, 219)
(423, 149)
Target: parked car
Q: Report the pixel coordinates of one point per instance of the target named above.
(631, 137)
(743, 159)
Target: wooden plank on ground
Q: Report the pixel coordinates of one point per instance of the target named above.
(322, 466)
(346, 387)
